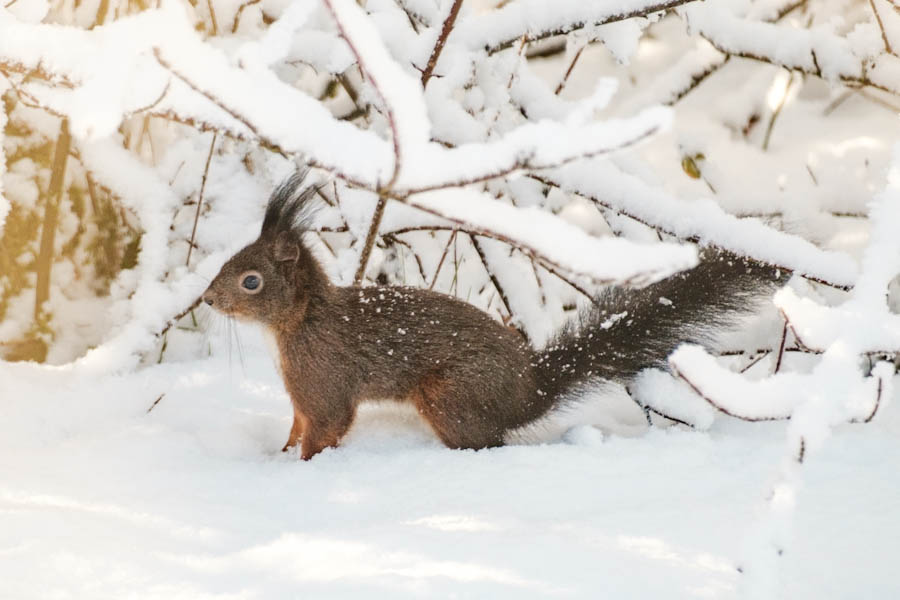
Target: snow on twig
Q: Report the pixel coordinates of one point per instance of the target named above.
(535, 20)
(703, 221)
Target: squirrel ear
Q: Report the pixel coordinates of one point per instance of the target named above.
(286, 247)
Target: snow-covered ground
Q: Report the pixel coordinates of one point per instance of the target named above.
(101, 499)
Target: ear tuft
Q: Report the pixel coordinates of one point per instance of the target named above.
(291, 206)
(287, 247)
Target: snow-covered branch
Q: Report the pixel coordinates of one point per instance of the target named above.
(533, 20)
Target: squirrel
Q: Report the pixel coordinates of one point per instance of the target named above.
(474, 380)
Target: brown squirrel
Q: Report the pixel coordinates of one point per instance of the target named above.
(471, 378)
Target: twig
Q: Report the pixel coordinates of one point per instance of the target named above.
(884, 37)
(755, 360)
(656, 411)
(875, 406)
(576, 25)
(439, 44)
(565, 79)
(490, 273)
(179, 316)
(240, 12)
(437, 270)
(155, 402)
(212, 146)
(781, 346)
(8, 66)
(797, 337)
(212, 17)
(718, 406)
(370, 239)
(51, 213)
(395, 240)
(647, 409)
(777, 111)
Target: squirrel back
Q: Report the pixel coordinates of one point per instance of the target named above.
(472, 379)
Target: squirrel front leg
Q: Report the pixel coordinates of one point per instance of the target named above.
(326, 431)
(323, 428)
(296, 429)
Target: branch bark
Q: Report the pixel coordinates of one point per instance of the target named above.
(51, 216)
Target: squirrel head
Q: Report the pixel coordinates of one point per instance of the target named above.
(273, 279)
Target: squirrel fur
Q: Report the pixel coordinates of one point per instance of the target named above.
(472, 379)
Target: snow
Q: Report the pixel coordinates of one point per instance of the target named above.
(101, 499)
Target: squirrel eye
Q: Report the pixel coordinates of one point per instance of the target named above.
(251, 282)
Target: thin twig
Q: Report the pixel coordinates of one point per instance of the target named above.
(565, 79)
(777, 111)
(370, 239)
(437, 270)
(171, 322)
(718, 406)
(439, 44)
(240, 12)
(754, 362)
(212, 146)
(884, 37)
(784, 330)
(490, 273)
(155, 402)
(51, 213)
(212, 17)
(395, 240)
(875, 406)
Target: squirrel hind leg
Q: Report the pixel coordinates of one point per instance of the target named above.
(447, 410)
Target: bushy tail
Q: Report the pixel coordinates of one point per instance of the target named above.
(630, 330)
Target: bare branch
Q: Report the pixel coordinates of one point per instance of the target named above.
(212, 146)
(491, 275)
(51, 214)
(717, 405)
(370, 239)
(240, 12)
(442, 39)
(884, 37)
